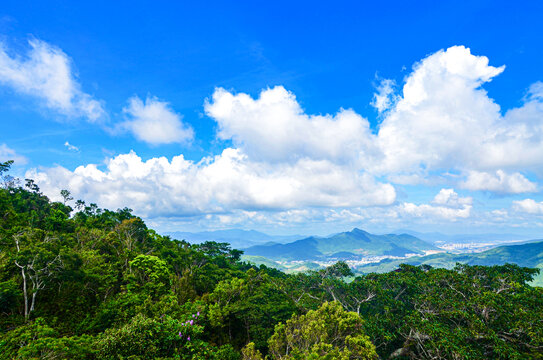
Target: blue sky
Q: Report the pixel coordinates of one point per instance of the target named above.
(309, 117)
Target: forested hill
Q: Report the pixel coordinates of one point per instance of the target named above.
(80, 282)
(343, 245)
(527, 255)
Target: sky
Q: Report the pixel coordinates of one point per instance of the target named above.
(284, 117)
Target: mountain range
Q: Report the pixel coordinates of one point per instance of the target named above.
(526, 255)
(440, 238)
(237, 238)
(296, 253)
(343, 246)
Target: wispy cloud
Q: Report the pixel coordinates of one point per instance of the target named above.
(385, 97)
(45, 72)
(71, 147)
(7, 153)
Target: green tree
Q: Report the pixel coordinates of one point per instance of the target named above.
(37, 340)
(326, 333)
(66, 196)
(38, 259)
(150, 274)
(245, 310)
(249, 352)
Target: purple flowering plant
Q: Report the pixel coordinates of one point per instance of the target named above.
(190, 327)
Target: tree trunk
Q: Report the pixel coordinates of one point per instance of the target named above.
(25, 293)
(33, 300)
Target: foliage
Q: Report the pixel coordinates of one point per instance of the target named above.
(249, 352)
(37, 340)
(246, 310)
(329, 332)
(526, 255)
(149, 338)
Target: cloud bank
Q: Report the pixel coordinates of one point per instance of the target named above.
(219, 184)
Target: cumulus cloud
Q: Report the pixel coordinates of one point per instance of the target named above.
(449, 198)
(445, 205)
(289, 162)
(46, 73)
(442, 121)
(217, 184)
(528, 206)
(430, 211)
(499, 182)
(154, 122)
(275, 128)
(443, 116)
(7, 153)
(445, 121)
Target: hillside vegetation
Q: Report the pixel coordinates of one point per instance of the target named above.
(80, 282)
(527, 255)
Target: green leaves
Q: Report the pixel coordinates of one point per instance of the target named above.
(470, 312)
(326, 333)
(149, 273)
(37, 340)
(148, 338)
(245, 310)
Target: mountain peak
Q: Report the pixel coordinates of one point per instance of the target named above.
(357, 241)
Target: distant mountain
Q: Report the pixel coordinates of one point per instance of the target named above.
(342, 246)
(237, 238)
(527, 255)
(439, 238)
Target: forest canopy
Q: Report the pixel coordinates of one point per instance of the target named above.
(80, 282)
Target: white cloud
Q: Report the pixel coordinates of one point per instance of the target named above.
(449, 197)
(288, 165)
(158, 187)
(155, 122)
(71, 147)
(45, 72)
(519, 137)
(6, 153)
(499, 182)
(443, 117)
(528, 206)
(384, 98)
(443, 121)
(445, 205)
(431, 212)
(275, 128)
